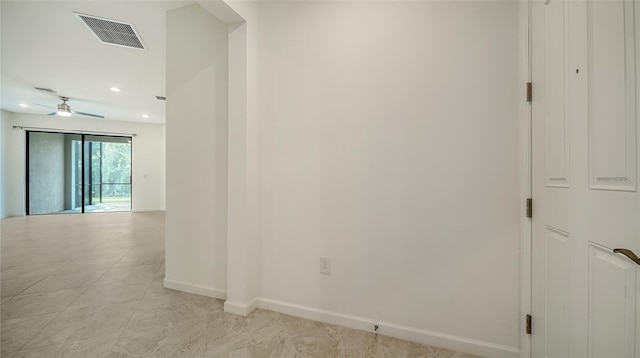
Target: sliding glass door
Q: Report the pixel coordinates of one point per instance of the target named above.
(107, 173)
(54, 173)
(74, 173)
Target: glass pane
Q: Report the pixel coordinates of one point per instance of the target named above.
(108, 174)
(54, 173)
(59, 171)
(76, 175)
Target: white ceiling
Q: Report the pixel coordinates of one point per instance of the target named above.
(44, 44)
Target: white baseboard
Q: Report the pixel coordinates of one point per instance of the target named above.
(142, 210)
(195, 289)
(436, 339)
(240, 308)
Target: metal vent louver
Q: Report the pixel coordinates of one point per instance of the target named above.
(112, 32)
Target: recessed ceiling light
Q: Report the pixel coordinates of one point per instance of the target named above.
(23, 105)
(115, 89)
(145, 116)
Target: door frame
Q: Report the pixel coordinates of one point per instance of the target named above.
(526, 175)
(526, 238)
(82, 136)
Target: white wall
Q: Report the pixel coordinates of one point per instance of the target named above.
(5, 161)
(147, 149)
(525, 178)
(163, 168)
(12, 156)
(245, 153)
(390, 135)
(196, 157)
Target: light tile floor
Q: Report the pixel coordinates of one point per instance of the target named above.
(91, 286)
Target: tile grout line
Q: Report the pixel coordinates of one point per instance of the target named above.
(63, 310)
(87, 289)
(58, 315)
(53, 319)
(133, 310)
(115, 342)
(69, 305)
(38, 332)
(204, 336)
(35, 283)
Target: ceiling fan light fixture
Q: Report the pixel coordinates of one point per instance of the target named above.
(64, 109)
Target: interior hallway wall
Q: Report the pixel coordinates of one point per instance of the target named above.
(390, 135)
(7, 169)
(196, 156)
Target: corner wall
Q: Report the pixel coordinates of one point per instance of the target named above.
(6, 165)
(385, 136)
(196, 156)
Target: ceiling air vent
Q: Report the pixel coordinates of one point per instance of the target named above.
(161, 98)
(112, 32)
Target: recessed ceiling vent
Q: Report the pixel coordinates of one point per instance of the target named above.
(112, 32)
(161, 98)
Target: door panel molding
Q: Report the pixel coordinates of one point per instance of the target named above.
(557, 294)
(556, 94)
(612, 306)
(612, 95)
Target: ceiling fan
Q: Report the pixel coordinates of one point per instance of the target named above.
(63, 108)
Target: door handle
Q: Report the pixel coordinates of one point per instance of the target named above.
(629, 254)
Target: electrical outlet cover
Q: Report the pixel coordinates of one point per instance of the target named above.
(325, 265)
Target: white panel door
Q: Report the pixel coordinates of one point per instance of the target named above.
(584, 162)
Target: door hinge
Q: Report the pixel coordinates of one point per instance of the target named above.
(529, 92)
(528, 324)
(529, 208)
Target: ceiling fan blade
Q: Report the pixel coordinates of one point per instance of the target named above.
(42, 105)
(88, 114)
(46, 90)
